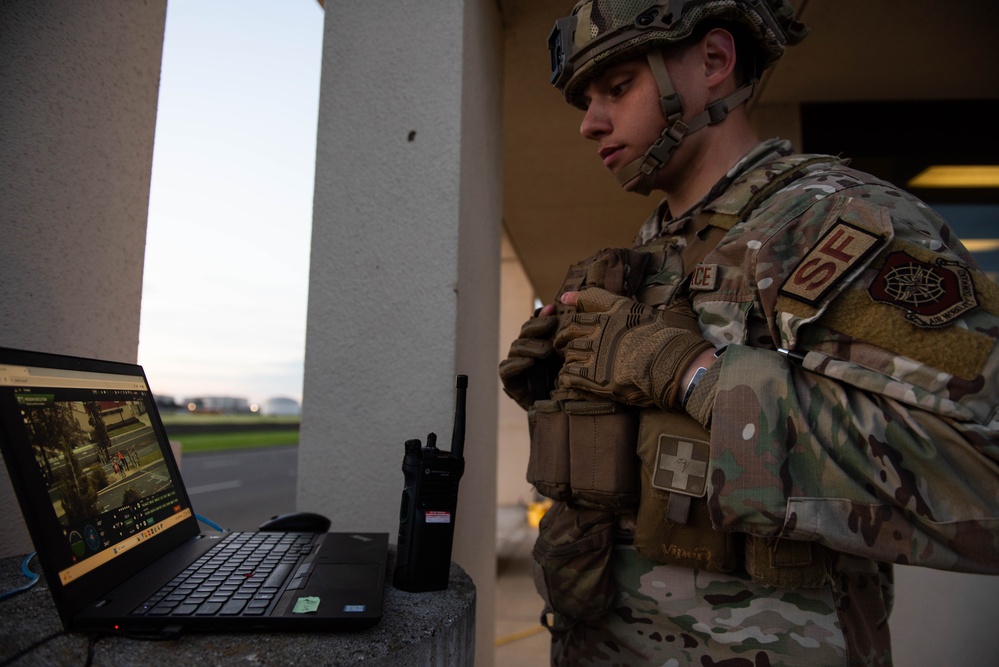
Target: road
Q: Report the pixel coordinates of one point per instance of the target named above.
(239, 489)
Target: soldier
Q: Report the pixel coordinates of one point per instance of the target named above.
(802, 357)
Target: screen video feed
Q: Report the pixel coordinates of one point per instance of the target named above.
(102, 466)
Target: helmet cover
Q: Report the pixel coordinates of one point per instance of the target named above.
(599, 33)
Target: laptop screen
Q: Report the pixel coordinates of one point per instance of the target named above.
(92, 461)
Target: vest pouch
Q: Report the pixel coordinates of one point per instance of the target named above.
(548, 462)
(572, 561)
(603, 466)
(787, 563)
(671, 446)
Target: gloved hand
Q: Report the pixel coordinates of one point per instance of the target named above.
(529, 371)
(621, 349)
(617, 270)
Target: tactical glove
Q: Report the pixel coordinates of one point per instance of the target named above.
(617, 270)
(624, 350)
(528, 373)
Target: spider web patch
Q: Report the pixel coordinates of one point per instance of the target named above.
(932, 295)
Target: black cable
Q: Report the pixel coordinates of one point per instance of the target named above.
(93, 639)
(25, 651)
(164, 635)
(91, 646)
(168, 634)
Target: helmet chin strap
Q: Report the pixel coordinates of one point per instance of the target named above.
(643, 170)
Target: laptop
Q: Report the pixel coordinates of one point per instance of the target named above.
(116, 533)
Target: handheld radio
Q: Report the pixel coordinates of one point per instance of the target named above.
(429, 503)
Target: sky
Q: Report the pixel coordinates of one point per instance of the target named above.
(225, 285)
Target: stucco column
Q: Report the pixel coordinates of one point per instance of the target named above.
(79, 86)
(403, 291)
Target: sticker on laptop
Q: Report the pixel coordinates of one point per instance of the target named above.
(306, 605)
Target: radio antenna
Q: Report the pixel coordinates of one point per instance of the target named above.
(458, 434)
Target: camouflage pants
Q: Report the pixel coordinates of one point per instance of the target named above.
(675, 616)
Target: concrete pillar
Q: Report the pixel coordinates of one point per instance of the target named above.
(403, 290)
(79, 86)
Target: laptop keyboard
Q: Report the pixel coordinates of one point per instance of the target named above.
(240, 576)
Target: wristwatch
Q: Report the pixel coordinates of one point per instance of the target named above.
(698, 374)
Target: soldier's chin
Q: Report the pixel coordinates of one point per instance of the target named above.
(633, 186)
(630, 186)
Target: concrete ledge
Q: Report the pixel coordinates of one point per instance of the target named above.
(436, 629)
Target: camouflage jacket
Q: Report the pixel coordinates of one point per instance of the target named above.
(858, 397)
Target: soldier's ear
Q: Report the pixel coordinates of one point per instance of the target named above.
(719, 56)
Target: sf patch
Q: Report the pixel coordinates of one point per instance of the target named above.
(931, 294)
(840, 249)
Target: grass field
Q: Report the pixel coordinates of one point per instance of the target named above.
(218, 440)
(192, 418)
(208, 442)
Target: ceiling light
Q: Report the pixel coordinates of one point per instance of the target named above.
(957, 176)
(981, 245)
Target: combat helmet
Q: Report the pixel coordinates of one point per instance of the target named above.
(599, 33)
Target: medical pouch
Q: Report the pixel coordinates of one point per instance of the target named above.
(674, 448)
(783, 563)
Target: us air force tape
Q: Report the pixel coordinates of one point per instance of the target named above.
(841, 248)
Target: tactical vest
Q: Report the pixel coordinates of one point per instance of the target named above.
(583, 452)
(672, 523)
(676, 259)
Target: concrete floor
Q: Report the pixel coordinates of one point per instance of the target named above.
(520, 639)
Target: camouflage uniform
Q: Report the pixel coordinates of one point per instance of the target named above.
(877, 436)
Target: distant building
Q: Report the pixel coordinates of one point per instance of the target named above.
(168, 403)
(218, 404)
(281, 406)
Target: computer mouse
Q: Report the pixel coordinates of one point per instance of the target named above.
(296, 522)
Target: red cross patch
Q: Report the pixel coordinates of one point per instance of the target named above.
(681, 465)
